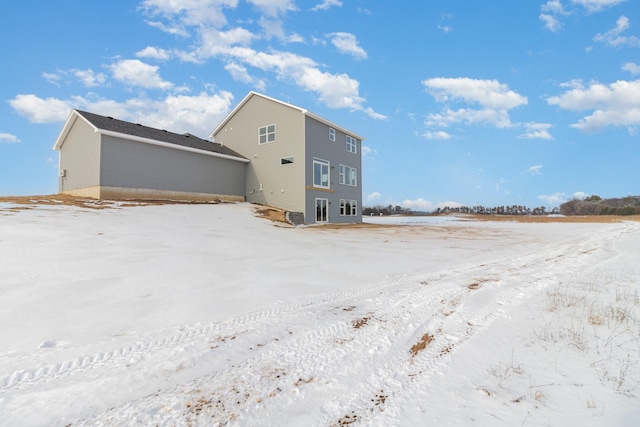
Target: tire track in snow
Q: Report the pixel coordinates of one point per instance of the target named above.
(297, 355)
(311, 349)
(130, 354)
(398, 372)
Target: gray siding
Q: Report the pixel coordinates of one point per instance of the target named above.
(318, 145)
(80, 158)
(132, 164)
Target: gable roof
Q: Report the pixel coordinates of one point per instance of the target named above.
(137, 132)
(307, 113)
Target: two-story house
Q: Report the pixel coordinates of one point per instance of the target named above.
(265, 151)
(299, 161)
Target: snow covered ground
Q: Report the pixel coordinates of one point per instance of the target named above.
(207, 315)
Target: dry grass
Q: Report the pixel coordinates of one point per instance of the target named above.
(87, 202)
(551, 219)
(272, 214)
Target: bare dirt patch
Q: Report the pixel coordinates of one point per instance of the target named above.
(422, 344)
(272, 214)
(359, 323)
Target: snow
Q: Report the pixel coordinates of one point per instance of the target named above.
(208, 315)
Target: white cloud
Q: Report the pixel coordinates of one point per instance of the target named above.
(498, 118)
(190, 12)
(196, 114)
(421, 204)
(373, 196)
(593, 6)
(613, 37)
(52, 78)
(90, 78)
(336, 90)
(445, 28)
(368, 152)
(173, 29)
(535, 170)
(536, 131)
(554, 199)
(551, 11)
(494, 98)
(326, 5)
(437, 135)
(154, 53)
(39, 110)
(616, 104)
(632, 68)
(553, 6)
(347, 44)
(8, 138)
(134, 72)
(551, 23)
(240, 73)
(274, 7)
(488, 93)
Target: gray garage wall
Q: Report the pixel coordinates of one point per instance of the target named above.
(132, 164)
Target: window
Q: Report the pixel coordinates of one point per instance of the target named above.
(267, 134)
(352, 145)
(348, 175)
(332, 134)
(286, 160)
(348, 207)
(320, 173)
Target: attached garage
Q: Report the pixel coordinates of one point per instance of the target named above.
(106, 158)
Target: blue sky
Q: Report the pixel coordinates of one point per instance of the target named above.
(461, 102)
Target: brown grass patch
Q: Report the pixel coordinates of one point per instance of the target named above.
(422, 344)
(359, 323)
(272, 214)
(87, 202)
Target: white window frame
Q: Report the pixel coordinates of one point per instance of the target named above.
(332, 134)
(348, 176)
(323, 164)
(322, 210)
(348, 207)
(268, 132)
(352, 145)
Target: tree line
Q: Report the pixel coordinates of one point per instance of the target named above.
(593, 205)
(596, 205)
(480, 210)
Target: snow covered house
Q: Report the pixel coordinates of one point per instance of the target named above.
(299, 161)
(265, 151)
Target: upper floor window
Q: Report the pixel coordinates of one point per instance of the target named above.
(332, 134)
(266, 134)
(320, 173)
(348, 175)
(352, 145)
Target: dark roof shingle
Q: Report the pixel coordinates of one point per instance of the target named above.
(135, 129)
